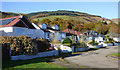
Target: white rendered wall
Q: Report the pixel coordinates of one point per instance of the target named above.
(41, 54)
(17, 31)
(6, 29)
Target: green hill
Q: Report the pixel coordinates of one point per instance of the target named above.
(74, 15)
(5, 14)
(84, 17)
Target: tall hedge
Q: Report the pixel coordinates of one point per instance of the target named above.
(25, 45)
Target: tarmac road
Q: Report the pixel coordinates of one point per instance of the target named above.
(95, 59)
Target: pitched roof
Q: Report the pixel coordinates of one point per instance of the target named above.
(12, 21)
(72, 32)
(9, 21)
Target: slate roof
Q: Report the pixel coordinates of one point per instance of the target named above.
(11, 21)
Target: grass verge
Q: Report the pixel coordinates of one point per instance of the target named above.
(115, 54)
(41, 63)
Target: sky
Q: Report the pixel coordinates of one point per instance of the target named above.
(105, 9)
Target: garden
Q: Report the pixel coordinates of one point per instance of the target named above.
(25, 45)
(76, 46)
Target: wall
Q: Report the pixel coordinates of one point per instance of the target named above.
(7, 29)
(98, 39)
(81, 49)
(16, 31)
(41, 54)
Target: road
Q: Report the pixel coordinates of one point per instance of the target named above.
(95, 59)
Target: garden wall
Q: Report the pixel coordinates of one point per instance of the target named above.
(81, 49)
(41, 54)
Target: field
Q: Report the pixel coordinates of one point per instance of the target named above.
(63, 17)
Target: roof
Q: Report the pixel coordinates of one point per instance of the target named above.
(16, 22)
(10, 22)
(70, 31)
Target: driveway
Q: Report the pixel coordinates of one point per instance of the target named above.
(95, 59)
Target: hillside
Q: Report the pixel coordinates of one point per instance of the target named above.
(84, 17)
(80, 16)
(4, 14)
(116, 20)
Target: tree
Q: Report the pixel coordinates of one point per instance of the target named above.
(89, 26)
(47, 21)
(102, 28)
(8, 16)
(69, 26)
(34, 21)
(114, 28)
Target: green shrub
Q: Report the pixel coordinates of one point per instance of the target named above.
(67, 44)
(93, 43)
(67, 40)
(106, 42)
(25, 45)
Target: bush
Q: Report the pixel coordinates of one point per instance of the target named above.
(25, 45)
(106, 42)
(67, 40)
(93, 43)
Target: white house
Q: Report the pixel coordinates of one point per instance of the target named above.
(52, 31)
(93, 35)
(19, 25)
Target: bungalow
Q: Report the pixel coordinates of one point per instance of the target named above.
(19, 25)
(93, 35)
(52, 32)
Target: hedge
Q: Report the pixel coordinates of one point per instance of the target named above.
(25, 45)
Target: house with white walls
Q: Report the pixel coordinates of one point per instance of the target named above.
(114, 36)
(93, 35)
(19, 25)
(52, 32)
